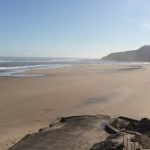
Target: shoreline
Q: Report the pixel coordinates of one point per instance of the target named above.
(20, 73)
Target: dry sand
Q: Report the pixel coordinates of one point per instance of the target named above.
(27, 104)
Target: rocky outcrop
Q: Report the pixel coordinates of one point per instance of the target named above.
(75, 132)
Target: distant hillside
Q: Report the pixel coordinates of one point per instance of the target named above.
(140, 55)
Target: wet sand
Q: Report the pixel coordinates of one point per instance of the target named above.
(30, 103)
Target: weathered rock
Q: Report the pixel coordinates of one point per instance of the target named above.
(77, 132)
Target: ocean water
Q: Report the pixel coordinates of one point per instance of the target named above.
(12, 66)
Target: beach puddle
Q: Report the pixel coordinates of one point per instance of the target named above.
(96, 100)
(115, 70)
(26, 75)
(101, 98)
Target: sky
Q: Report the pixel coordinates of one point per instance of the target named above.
(72, 28)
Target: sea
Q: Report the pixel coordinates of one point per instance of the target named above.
(13, 66)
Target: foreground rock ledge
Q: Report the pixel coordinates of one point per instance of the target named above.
(76, 132)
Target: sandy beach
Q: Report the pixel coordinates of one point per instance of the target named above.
(30, 103)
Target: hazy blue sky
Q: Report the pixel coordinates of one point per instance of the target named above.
(72, 28)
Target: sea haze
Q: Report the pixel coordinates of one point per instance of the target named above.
(12, 66)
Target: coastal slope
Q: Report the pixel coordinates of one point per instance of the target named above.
(140, 55)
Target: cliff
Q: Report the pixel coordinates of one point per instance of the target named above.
(140, 55)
